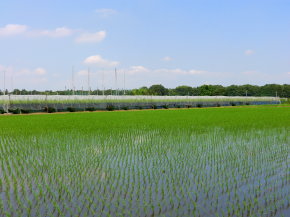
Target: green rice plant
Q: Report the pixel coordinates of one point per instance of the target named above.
(163, 162)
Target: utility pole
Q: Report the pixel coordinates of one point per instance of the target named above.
(103, 78)
(124, 83)
(4, 82)
(116, 79)
(72, 81)
(11, 83)
(97, 85)
(89, 88)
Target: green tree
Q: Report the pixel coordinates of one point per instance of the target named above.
(141, 91)
(184, 90)
(158, 90)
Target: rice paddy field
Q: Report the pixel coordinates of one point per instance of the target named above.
(232, 161)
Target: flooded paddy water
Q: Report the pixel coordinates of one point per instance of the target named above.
(175, 163)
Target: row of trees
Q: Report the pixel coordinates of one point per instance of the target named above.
(217, 90)
(158, 89)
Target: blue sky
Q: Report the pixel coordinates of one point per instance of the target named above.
(186, 42)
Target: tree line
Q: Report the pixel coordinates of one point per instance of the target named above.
(158, 89)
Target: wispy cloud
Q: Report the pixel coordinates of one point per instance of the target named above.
(39, 71)
(55, 33)
(23, 72)
(106, 12)
(99, 61)
(91, 37)
(167, 59)
(20, 77)
(82, 72)
(180, 71)
(249, 52)
(82, 36)
(13, 29)
(250, 72)
(24, 30)
(133, 70)
(137, 69)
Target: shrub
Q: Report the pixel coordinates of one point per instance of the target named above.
(90, 109)
(125, 108)
(25, 111)
(218, 105)
(110, 107)
(248, 103)
(49, 109)
(2, 111)
(153, 106)
(165, 106)
(177, 106)
(71, 109)
(233, 104)
(14, 111)
(140, 107)
(199, 105)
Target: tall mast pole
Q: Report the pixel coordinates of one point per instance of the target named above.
(124, 82)
(116, 92)
(89, 88)
(103, 78)
(4, 82)
(72, 81)
(11, 83)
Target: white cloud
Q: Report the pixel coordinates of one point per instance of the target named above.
(180, 71)
(100, 62)
(60, 32)
(82, 73)
(91, 37)
(23, 72)
(249, 52)
(24, 78)
(250, 72)
(55, 33)
(39, 71)
(16, 29)
(13, 29)
(136, 69)
(106, 12)
(167, 59)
